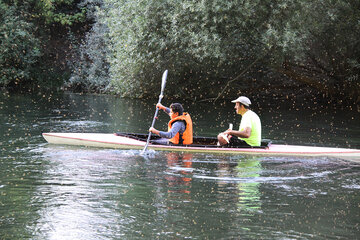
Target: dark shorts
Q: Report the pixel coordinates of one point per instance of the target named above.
(236, 142)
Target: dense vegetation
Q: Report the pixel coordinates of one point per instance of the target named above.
(36, 40)
(211, 48)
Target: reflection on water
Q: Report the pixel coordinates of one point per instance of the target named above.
(75, 196)
(243, 174)
(249, 195)
(62, 192)
(179, 171)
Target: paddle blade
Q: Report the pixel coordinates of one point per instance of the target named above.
(163, 82)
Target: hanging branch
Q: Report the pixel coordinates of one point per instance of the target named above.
(238, 76)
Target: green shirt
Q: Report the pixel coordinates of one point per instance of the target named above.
(251, 120)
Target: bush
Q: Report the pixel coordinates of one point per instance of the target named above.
(19, 48)
(90, 66)
(204, 44)
(201, 43)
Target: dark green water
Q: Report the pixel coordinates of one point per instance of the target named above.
(61, 192)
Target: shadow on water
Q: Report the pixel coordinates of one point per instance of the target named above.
(61, 192)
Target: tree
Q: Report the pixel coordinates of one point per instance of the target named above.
(90, 68)
(201, 42)
(207, 43)
(317, 43)
(37, 41)
(19, 48)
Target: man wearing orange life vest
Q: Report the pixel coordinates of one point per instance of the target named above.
(180, 128)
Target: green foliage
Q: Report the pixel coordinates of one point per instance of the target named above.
(203, 44)
(90, 70)
(53, 11)
(19, 48)
(312, 26)
(64, 12)
(206, 43)
(320, 36)
(35, 37)
(199, 42)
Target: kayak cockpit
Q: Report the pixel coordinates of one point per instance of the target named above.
(205, 142)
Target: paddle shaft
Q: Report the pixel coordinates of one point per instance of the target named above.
(163, 83)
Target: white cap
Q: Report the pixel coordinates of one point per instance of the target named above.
(243, 100)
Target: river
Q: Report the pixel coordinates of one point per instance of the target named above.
(65, 192)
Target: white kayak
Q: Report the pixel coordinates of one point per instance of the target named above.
(201, 144)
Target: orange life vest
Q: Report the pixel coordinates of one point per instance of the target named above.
(187, 136)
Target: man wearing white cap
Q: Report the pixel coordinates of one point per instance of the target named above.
(249, 133)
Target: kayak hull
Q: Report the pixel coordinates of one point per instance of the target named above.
(108, 140)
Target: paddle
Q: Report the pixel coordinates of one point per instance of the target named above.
(163, 82)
